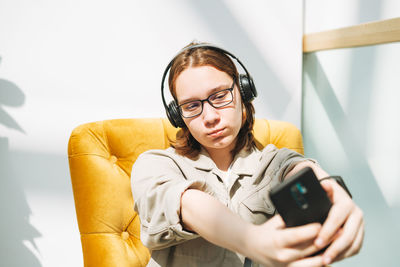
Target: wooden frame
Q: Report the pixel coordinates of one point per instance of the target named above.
(379, 32)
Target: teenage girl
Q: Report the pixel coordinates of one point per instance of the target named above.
(204, 201)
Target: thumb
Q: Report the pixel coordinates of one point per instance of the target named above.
(277, 222)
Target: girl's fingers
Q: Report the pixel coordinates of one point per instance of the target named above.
(294, 242)
(308, 262)
(347, 238)
(287, 255)
(340, 211)
(276, 222)
(303, 250)
(355, 247)
(293, 236)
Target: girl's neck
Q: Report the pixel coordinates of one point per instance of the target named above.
(221, 157)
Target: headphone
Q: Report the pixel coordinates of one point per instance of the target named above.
(246, 85)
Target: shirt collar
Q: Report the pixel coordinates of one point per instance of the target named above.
(203, 161)
(244, 163)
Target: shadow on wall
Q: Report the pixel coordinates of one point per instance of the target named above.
(16, 229)
(369, 10)
(10, 95)
(382, 229)
(220, 20)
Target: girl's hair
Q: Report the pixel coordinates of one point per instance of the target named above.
(185, 143)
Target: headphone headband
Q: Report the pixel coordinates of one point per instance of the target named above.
(246, 86)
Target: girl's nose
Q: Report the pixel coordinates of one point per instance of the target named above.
(210, 114)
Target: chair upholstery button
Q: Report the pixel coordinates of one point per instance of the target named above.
(124, 235)
(113, 159)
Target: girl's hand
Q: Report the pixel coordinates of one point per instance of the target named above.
(344, 226)
(272, 244)
(343, 229)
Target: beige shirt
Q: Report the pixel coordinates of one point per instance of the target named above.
(159, 177)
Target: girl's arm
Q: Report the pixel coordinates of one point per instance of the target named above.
(269, 243)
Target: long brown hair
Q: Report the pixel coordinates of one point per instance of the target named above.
(185, 143)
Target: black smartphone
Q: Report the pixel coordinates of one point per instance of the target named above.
(300, 199)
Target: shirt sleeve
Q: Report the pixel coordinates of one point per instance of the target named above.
(158, 183)
(286, 160)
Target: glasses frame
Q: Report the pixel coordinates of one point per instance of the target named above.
(208, 100)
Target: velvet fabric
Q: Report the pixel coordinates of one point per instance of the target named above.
(101, 155)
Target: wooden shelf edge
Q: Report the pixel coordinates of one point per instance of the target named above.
(372, 33)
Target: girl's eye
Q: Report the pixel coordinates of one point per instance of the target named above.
(219, 96)
(191, 106)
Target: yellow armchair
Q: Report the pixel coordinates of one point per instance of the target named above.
(101, 155)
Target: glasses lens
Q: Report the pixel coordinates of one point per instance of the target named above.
(221, 98)
(191, 109)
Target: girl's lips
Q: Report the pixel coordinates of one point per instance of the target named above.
(216, 133)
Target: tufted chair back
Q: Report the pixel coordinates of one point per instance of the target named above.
(101, 155)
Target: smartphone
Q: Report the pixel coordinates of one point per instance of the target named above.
(300, 199)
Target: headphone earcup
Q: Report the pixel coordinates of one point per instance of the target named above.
(247, 89)
(174, 115)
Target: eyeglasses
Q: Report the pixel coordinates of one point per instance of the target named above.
(217, 100)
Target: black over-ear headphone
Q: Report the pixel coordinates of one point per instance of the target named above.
(246, 86)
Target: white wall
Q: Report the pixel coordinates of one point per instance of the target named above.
(350, 120)
(64, 63)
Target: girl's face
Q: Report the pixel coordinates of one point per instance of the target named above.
(215, 128)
